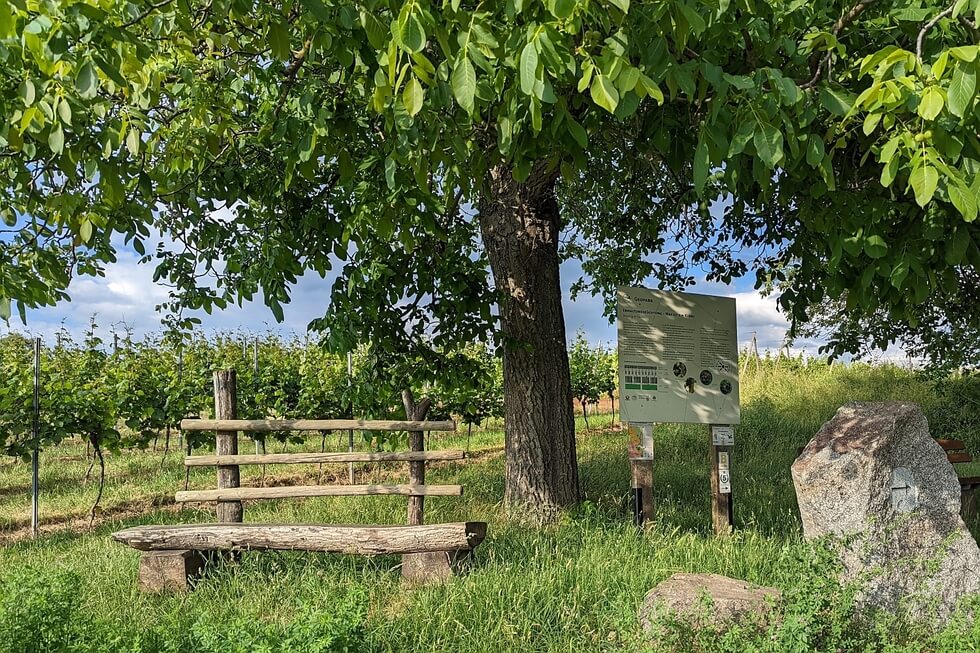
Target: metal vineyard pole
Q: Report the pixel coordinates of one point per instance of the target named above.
(36, 436)
(180, 388)
(350, 432)
(255, 379)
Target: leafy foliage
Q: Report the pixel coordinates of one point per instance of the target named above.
(841, 136)
(41, 612)
(148, 386)
(593, 371)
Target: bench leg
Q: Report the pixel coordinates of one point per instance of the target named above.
(422, 568)
(968, 503)
(162, 571)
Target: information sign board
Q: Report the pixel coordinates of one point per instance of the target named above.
(678, 357)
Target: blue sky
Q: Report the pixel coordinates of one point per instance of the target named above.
(128, 295)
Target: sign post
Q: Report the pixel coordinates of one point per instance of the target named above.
(722, 440)
(678, 363)
(641, 471)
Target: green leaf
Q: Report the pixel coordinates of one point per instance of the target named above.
(889, 150)
(871, 122)
(87, 81)
(692, 17)
(768, 144)
(390, 169)
(578, 132)
(56, 139)
(956, 245)
(899, 272)
(411, 34)
(651, 88)
(624, 5)
(319, 10)
(586, 78)
(702, 164)
(939, 65)
(604, 93)
(889, 172)
(27, 92)
(6, 20)
(931, 103)
(528, 68)
(4, 308)
(924, 180)
(814, 150)
(836, 101)
(464, 83)
(562, 8)
(413, 96)
(964, 201)
(376, 32)
(133, 141)
(965, 53)
(307, 145)
(962, 88)
(875, 246)
(279, 41)
(64, 111)
(85, 230)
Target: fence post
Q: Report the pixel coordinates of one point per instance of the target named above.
(420, 567)
(226, 442)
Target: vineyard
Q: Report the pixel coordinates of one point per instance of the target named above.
(115, 393)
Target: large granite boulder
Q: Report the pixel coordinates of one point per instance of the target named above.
(705, 601)
(881, 490)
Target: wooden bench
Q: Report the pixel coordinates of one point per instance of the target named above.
(956, 453)
(173, 555)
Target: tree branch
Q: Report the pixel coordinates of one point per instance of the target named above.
(970, 27)
(925, 30)
(149, 10)
(841, 23)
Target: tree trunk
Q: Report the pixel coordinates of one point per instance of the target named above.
(520, 224)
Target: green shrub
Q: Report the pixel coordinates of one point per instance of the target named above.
(38, 612)
(337, 629)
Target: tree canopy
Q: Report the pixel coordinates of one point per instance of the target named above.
(847, 130)
(831, 147)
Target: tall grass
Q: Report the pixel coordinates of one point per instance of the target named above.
(572, 586)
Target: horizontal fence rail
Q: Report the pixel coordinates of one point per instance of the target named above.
(269, 425)
(300, 491)
(305, 458)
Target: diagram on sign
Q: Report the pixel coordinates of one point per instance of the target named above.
(678, 357)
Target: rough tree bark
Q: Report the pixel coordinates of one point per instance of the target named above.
(520, 224)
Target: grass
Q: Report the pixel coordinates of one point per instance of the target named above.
(573, 586)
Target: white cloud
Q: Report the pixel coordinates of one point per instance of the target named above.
(127, 295)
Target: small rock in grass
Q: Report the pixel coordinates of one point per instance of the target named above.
(706, 601)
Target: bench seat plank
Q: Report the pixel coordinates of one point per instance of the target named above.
(300, 491)
(951, 445)
(329, 538)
